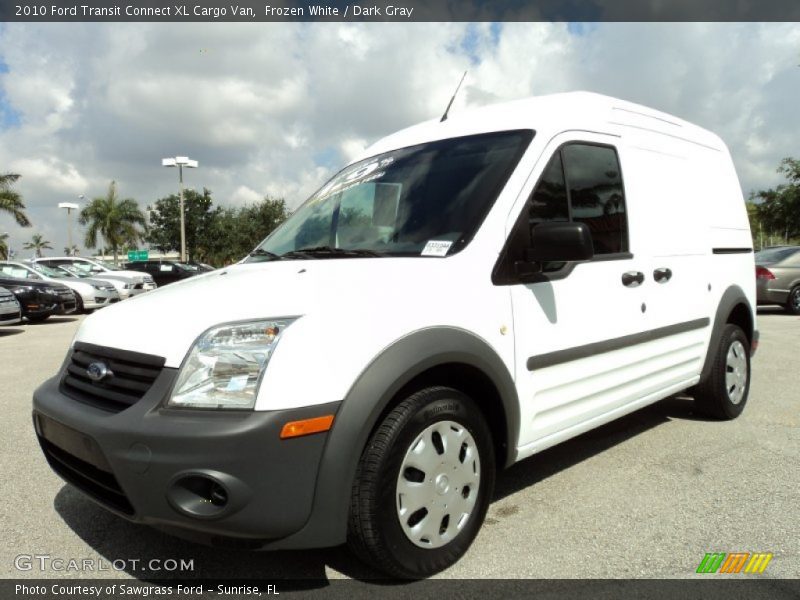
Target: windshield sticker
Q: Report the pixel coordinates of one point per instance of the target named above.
(436, 248)
(350, 179)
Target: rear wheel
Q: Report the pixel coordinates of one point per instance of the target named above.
(793, 301)
(723, 394)
(423, 485)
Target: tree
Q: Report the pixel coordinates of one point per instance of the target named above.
(4, 246)
(74, 251)
(237, 231)
(117, 221)
(11, 201)
(778, 212)
(37, 244)
(165, 225)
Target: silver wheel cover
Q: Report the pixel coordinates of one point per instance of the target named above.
(438, 484)
(736, 372)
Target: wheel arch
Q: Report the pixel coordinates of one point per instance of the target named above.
(437, 355)
(733, 308)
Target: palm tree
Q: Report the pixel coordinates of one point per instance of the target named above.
(114, 219)
(4, 246)
(73, 251)
(11, 201)
(37, 244)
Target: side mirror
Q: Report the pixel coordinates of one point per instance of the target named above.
(560, 241)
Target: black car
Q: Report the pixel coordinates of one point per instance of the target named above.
(40, 299)
(164, 271)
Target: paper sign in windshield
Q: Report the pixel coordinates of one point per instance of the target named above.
(436, 248)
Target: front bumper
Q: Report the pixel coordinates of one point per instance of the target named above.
(148, 463)
(11, 317)
(99, 299)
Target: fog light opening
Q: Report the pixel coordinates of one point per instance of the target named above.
(198, 495)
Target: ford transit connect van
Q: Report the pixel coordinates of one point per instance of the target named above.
(466, 294)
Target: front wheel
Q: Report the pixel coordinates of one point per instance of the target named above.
(793, 301)
(723, 394)
(423, 485)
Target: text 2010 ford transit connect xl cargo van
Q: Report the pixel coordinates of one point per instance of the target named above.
(469, 293)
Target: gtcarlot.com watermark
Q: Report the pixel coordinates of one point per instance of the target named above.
(46, 563)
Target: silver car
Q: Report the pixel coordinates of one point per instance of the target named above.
(127, 283)
(778, 277)
(10, 310)
(90, 294)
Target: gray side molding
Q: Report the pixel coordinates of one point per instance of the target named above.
(367, 399)
(733, 295)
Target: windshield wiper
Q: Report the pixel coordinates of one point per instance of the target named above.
(267, 253)
(323, 251)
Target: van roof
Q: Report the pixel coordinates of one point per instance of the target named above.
(549, 115)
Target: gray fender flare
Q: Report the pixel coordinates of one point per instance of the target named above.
(732, 296)
(369, 397)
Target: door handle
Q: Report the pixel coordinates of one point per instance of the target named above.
(632, 278)
(662, 275)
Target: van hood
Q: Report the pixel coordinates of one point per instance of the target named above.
(167, 321)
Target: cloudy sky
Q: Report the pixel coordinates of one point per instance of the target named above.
(274, 108)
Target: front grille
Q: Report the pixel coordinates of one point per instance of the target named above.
(131, 375)
(99, 484)
(10, 298)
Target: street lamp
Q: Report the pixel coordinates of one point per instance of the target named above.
(180, 162)
(70, 206)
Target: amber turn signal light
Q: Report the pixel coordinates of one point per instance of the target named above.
(306, 427)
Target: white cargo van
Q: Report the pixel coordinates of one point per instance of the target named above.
(465, 295)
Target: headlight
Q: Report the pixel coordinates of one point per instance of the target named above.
(98, 287)
(127, 286)
(225, 366)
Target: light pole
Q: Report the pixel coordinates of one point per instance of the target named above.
(180, 162)
(70, 206)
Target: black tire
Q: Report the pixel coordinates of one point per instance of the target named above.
(79, 304)
(716, 396)
(792, 305)
(375, 532)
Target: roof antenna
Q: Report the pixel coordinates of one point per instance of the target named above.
(449, 104)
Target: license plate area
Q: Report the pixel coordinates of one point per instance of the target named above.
(71, 441)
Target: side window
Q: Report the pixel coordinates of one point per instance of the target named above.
(582, 182)
(596, 195)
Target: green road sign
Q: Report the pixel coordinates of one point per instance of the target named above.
(138, 255)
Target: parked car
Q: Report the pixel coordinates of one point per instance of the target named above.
(778, 277)
(199, 266)
(90, 294)
(40, 299)
(418, 323)
(127, 283)
(10, 310)
(164, 271)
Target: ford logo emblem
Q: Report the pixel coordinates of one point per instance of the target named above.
(98, 371)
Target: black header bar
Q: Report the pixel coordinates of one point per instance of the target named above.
(402, 11)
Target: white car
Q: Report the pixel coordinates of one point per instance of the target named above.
(127, 283)
(10, 310)
(90, 294)
(461, 297)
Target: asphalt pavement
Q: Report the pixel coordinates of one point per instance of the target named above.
(643, 497)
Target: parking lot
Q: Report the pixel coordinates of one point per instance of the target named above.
(644, 497)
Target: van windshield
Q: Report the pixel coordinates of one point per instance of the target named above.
(424, 200)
